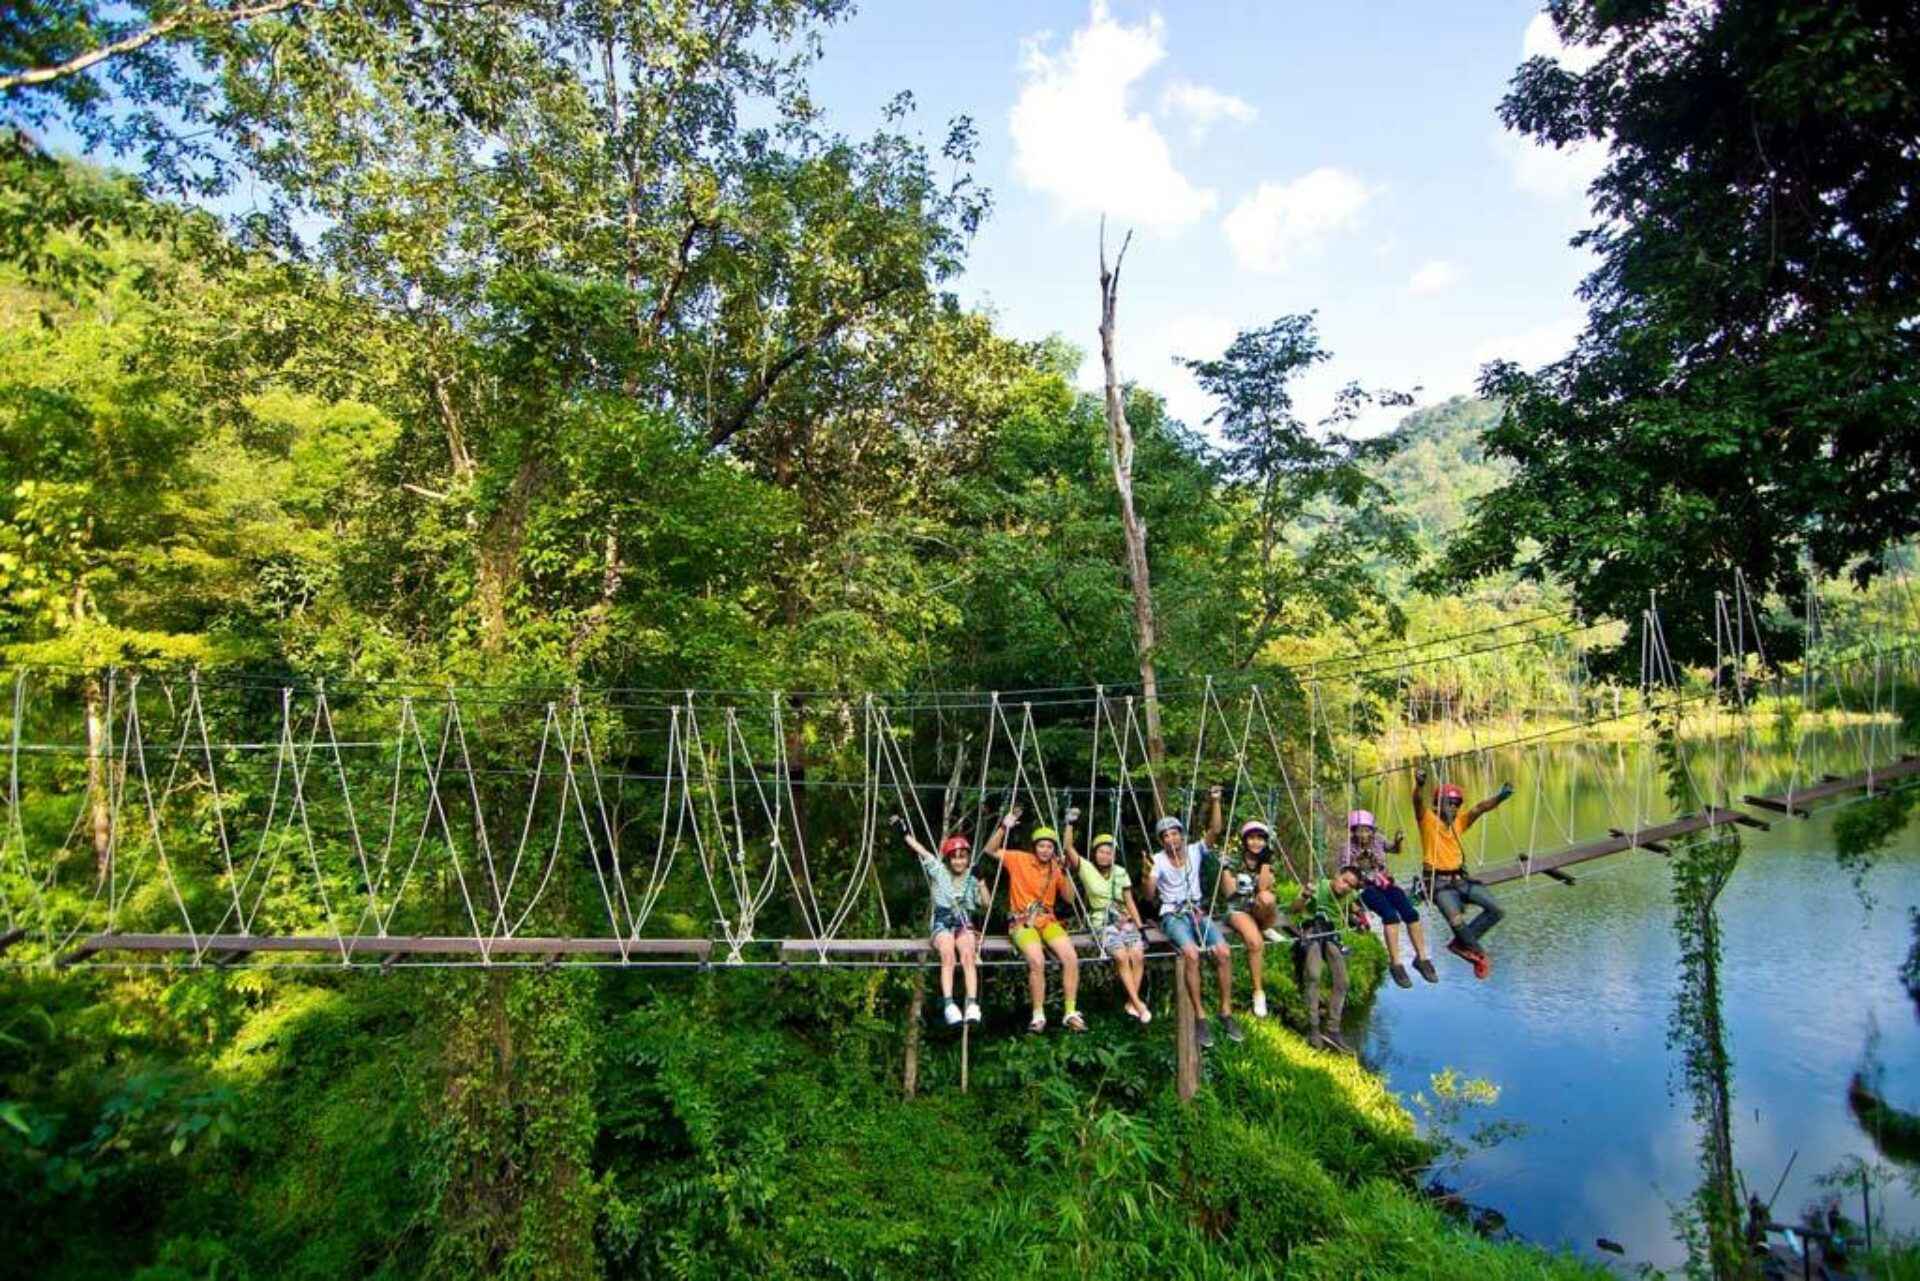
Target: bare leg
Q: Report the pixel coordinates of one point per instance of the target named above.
(969, 951)
(1190, 962)
(1223, 966)
(1392, 931)
(1418, 933)
(943, 944)
(1248, 929)
(1069, 970)
(1126, 963)
(1036, 975)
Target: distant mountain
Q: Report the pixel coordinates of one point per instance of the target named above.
(1439, 467)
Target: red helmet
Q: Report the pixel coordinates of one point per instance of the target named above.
(955, 845)
(1449, 792)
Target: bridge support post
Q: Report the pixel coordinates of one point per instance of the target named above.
(1186, 1046)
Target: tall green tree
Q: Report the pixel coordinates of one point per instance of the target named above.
(1745, 390)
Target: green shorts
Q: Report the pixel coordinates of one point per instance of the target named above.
(1040, 930)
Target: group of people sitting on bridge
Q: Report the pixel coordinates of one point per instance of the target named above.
(1175, 880)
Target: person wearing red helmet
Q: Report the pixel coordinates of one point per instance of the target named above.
(960, 905)
(1246, 878)
(1443, 863)
(1036, 878)
(1366, 855)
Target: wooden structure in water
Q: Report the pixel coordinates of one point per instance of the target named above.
(1554, 863)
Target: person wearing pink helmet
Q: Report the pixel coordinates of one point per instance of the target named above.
(1365, 854)
(1443, 863)
(1246, 878)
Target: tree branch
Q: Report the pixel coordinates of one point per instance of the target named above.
(186, 19)
(763, 382)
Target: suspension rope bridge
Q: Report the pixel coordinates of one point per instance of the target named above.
(180, 819)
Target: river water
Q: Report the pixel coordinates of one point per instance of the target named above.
(1572, 1026)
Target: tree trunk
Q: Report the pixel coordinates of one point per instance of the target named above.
(98, 779)
(1120, 453)
(910, 1078)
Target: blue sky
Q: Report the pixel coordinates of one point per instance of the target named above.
(1271, 158)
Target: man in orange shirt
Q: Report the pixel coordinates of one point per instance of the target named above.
(1035, 879)
(1443, 865)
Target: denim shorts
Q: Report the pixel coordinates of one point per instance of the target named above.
(948, 921)
(1182, 932)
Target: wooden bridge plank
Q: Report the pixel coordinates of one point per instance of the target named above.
(226, 947)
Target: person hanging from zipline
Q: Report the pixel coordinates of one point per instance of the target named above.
(1174, 878)
(1035, 881)
(1443, 866)
(1107, 894)
(1366, 854)
(1246, 878)
(959, 909)
(1321, 911)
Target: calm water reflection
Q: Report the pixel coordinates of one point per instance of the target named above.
(1573, 1023)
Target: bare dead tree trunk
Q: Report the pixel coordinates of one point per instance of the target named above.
(97, 778)
(1120, 453)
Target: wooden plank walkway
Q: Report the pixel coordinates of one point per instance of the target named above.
(226, 948)
(1795, 803)
(1553, 862)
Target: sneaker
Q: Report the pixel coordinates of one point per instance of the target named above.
(1231, 1026)
(1313, 1039)
(1332, 1041)
(953, 1014)
(1073, 1022)
(973, 1011)
(1145, 1015)
(1037, 1024)
(1427, 971)
(1275, 936)
(1203, 1033)
(1482, 965)
(1464, 952)
(1259, 1005)
(1400, 974)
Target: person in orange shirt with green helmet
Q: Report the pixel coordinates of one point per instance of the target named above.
(1443, 866)
(1036, 879)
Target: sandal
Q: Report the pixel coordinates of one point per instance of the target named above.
(1036, 1025)
(1074, 1023)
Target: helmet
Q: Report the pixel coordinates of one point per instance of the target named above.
(1450, 792)
(1253, 825)
(1105, 838)
(1045, 834)
(1361, 818)
(1168, 824)
(955, 845)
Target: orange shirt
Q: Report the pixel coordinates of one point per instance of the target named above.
(1030, 883)
(1440, 842)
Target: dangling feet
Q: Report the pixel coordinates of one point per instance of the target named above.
(1331, 1041)
(1426, 969)
(1462, 950)
(973, 1011)
(1400, 975)
(1138, 1010)
(1073, 1022)
(1038, 1023)
(1231, 1027)
(953, 1014)
(1482, 965)
(1203, 1033)
(1259, 1005)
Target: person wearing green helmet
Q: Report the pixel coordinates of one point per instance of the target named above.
(1108, 897)
(1321, 910)
(1035, 881)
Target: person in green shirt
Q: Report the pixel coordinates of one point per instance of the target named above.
(1320, 912)
(1108, 898)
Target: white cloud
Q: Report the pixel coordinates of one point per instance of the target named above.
(1553, 173)
(1203, 107)
(1431, 277)
(1075, 140)
(1193, 336)
(1280, 219)
(1544, 342)
(1542, 41)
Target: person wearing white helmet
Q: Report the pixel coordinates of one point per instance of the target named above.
(1174, 878)
(1036, 879)
(1246, 878)
(1107, 892)
(1366, 854)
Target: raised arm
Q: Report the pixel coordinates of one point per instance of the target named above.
(997, 839)
(1491, 804)
(1149, 889)
(905, 836)
(1066, 844)
(1215, 825)
(1419, 792)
